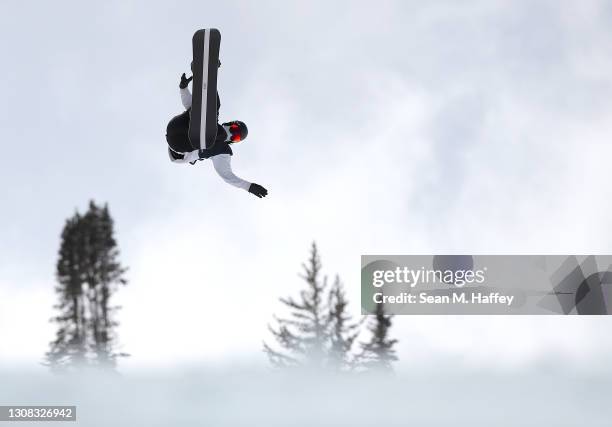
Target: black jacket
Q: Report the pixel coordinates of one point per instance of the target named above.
(177, 136)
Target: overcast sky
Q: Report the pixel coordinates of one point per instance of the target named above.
(387, 127)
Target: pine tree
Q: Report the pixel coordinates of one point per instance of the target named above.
(69, 345)
(343, 330)
(88, 275)
(378, 353)
(319, 334)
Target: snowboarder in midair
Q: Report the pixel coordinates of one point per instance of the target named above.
(180, 149)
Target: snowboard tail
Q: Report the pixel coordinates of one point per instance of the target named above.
(204, 108)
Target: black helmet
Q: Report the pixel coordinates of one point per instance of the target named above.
(237, 131)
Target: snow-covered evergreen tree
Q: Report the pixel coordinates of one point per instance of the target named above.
(378, 353)
(319, 333)
(343, 330)
(88, 274)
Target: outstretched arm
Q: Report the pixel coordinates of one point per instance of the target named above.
(185, 94)
(186, 98)
(222, 163)
(223, 166)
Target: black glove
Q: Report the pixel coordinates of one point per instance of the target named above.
(258, 190)
(184, 81)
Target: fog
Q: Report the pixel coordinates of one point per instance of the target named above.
(244, 396)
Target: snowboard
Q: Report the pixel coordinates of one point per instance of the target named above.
(203, 122)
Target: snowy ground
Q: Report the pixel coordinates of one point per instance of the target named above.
(257, 398)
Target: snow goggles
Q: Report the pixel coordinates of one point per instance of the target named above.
(235, 133)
